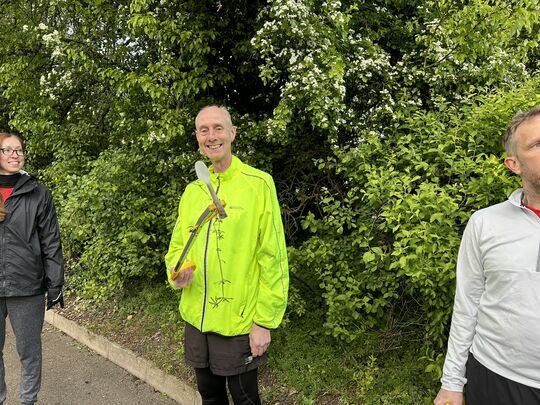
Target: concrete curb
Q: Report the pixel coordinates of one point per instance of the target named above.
(136, 365)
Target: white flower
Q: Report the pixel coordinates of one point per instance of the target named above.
(57, 52)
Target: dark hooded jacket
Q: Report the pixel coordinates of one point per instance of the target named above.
(31, 258)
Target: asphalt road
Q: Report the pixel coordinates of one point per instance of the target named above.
(75, 375)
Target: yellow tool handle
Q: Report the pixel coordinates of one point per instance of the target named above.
(187, 264)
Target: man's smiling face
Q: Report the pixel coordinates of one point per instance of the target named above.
(215, 135)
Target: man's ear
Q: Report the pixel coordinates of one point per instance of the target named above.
(512, 163)
(233, 133)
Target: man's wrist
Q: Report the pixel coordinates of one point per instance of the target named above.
(452, 388)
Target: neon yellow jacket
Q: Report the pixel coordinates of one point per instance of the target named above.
(242, 270)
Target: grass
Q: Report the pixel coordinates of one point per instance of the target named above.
(305, 367)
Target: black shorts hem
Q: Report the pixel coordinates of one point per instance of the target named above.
(224, 355)
(226, 372)
(195, 364)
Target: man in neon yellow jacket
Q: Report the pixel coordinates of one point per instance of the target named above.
(238, 292)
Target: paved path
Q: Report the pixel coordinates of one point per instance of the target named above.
(75, 375)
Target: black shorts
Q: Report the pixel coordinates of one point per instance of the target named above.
(486, 387)
(225, 355)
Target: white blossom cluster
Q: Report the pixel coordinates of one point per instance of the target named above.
(55, 82)
(488, 50)
(314, 54)
(53, 41)
(338, 79)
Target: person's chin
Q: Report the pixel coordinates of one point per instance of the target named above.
(10, 170)
(214, 155)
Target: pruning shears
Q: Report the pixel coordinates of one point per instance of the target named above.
(209, 213)
(213, 210)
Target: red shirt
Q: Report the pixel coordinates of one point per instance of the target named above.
(537, 212)
(6, 192)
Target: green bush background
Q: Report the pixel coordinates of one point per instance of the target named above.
(380, 121)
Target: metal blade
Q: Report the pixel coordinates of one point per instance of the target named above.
(204, 174)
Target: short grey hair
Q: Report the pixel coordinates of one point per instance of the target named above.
(222, 108)
(517, 120)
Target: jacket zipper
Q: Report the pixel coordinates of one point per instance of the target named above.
(3, 247)
(537, 218)
(204, 265)
(4, 272)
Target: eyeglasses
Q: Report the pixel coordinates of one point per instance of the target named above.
(9, 151)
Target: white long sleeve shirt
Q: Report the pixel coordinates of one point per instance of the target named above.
(497, 304)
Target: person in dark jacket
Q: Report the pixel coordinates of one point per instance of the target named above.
(31, 263)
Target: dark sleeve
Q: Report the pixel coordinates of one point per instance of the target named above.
(49, 239)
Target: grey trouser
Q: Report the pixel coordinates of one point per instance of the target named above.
(26, 317)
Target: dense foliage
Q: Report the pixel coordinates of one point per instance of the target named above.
(380, 122)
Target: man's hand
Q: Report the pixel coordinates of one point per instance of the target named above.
(55, 296)
(259, 340)
(445, 397)
(185, 277)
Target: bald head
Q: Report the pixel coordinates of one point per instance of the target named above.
(227, 116)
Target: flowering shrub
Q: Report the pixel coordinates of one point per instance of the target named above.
(380, 122)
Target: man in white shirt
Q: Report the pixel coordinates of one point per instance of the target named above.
(494, 344)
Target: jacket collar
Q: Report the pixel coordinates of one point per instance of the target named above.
(232, 170)
(516, 197)
(26, 183)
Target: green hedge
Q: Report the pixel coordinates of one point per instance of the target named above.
(380, 121)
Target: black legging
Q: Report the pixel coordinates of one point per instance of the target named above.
(243, 388)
